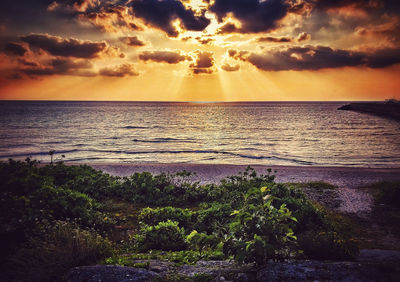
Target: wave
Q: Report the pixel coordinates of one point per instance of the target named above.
(163, 140)
(215, 152)
(31, 154)
(245, 156)
(141, 127)
(134, 127)
(79, 145)
(54, 142)
(18, 145)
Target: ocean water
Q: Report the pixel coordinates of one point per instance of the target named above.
(270, 133)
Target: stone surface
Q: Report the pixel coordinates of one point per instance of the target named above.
(388, 110)
(110, 273)
(381, 256)
(327, 271)
(371, 265)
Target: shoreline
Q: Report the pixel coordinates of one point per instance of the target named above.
(349, 177)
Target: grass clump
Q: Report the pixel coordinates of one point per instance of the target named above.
(387, 205)
(318, 185)
(165, 235)
(387, 193)
(56, 249)
(177, 257)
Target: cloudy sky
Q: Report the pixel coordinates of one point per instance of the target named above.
(200, 50)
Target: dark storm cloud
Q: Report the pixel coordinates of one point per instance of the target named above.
(64, 65)
(169, 57)
(275, 39)
(204, 63)
(14, 49)
(202, 71)
(119, 71)
(384, 58)
(204, 41)
(132, 41)
(254, 15)
(23, 11)
(111, 18)
(24, 16)
(229, 68)
(75, 67)
(302, 58)
(27, 63)
(59, 66)
(79, 5)
(317, 57)
(161, 14)
(65, 47)
(388, 5)
(375, 8)
(285, 39)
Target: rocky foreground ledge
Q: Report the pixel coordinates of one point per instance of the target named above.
(383, 109)
(371, 265)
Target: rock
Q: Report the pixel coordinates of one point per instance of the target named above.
(382, 256)
(345, 108)
(158, 266)
(325, 271)
(242, 277)
(110, 273)
(388, 110)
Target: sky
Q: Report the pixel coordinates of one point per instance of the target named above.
(200, 50)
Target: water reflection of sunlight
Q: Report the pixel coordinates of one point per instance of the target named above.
(208, 125)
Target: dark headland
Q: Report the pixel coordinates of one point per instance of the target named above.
(389, 108)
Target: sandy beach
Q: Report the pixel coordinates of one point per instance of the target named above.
(350, 177)
(352, 200)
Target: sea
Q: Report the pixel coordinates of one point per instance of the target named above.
(245, 133)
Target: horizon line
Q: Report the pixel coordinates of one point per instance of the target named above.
(194, 102)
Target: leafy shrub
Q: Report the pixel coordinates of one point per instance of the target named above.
(201, 241)
(388, 193)
(327, 245)
(167, 236)
(259, 231)
(308, 216)
(47, 256)
(178, 257)
(151, 216)
(28, 196)
(162, 189)
(82, 178)
(386, 210)
(213, 219)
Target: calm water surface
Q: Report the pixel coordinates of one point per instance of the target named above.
(284, 133)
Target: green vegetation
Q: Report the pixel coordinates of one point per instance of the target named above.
(318, 185)
(387, 205)
(177, 257)
(55, 217)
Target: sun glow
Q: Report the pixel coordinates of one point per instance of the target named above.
(179, 50)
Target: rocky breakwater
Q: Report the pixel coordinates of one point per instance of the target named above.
(389, 109)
